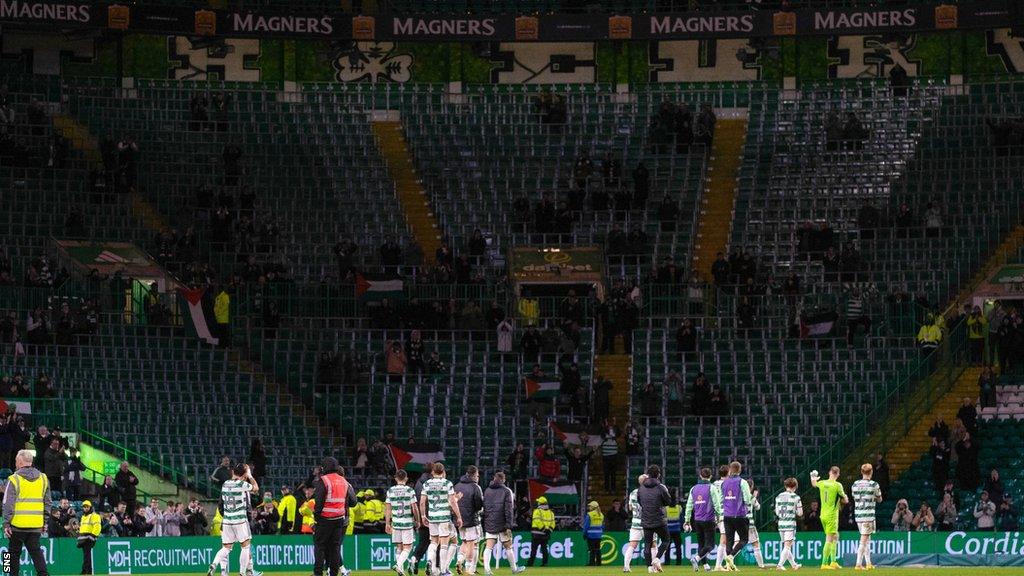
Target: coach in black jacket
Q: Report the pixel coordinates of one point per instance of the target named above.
(499, 519)
(471, 502)
(653, 498)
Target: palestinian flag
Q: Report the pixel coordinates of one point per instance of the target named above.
(379, 287)
(197, 317)
(818, 324)
(414, 458)
(570, 433)
(557, 493)
(541, 389)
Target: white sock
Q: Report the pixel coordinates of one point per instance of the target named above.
(252, 565)
(243, 559)
(782, 557)
(432, 555)
(402, 557)
(867, 553)
(460, 558)
(487, 559)
(719, 555)
(628, 556)
(792, 556)
(221, 559)
(445, 559)
(510, 554)
(453, 552)
(758, 556)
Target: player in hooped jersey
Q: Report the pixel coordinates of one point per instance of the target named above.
(234, 498)
(788, 508)
(402, 517)
(439, 504)
(716, 499)
(866, 493)
(636, 529)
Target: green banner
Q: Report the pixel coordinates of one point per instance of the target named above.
(1009, 274)
(375, 552)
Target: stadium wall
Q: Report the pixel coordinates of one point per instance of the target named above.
(374, 552)
(970, 53)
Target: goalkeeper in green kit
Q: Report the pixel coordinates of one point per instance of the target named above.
(832, 499)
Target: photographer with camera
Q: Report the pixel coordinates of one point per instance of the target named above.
(902, 517)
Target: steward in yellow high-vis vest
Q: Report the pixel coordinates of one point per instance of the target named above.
(26, 499)
(541, 528)
(286, 509)
(88, 531)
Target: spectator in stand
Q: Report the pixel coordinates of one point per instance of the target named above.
(968, 414)
(530, 344)
(126, 482)
(902, 518)
(121, 521)
(939, 454)
(855, 316)
(548, 466)
(904, 221)
(266, 516)
(616, 518)
(985, 512)
(946, 514)
(686, 341)
(650, 401)
(415, 354)
(718, 402)
(987, 383)
(394, 358)
(141, 526)
(720, 270)
(701, 395)
(924, 520)
(956, 436)
(172, 519)
(1006, 515)
(109, 495)
(939, 430)
(518, 467)
(222, 473)
(610, 455)
(674, 392)
(257, 460)
(576, 463)
(194, 519)
(967, 473)
(932, 220)
(812, 519)
(53, 465)
(977, 330)
(994, 486)
(154, 518)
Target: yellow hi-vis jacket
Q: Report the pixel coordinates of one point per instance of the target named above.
(543, 520)
(286, 510)
(90, 527)
(374, 511)
(29, 509)
(929, 336)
